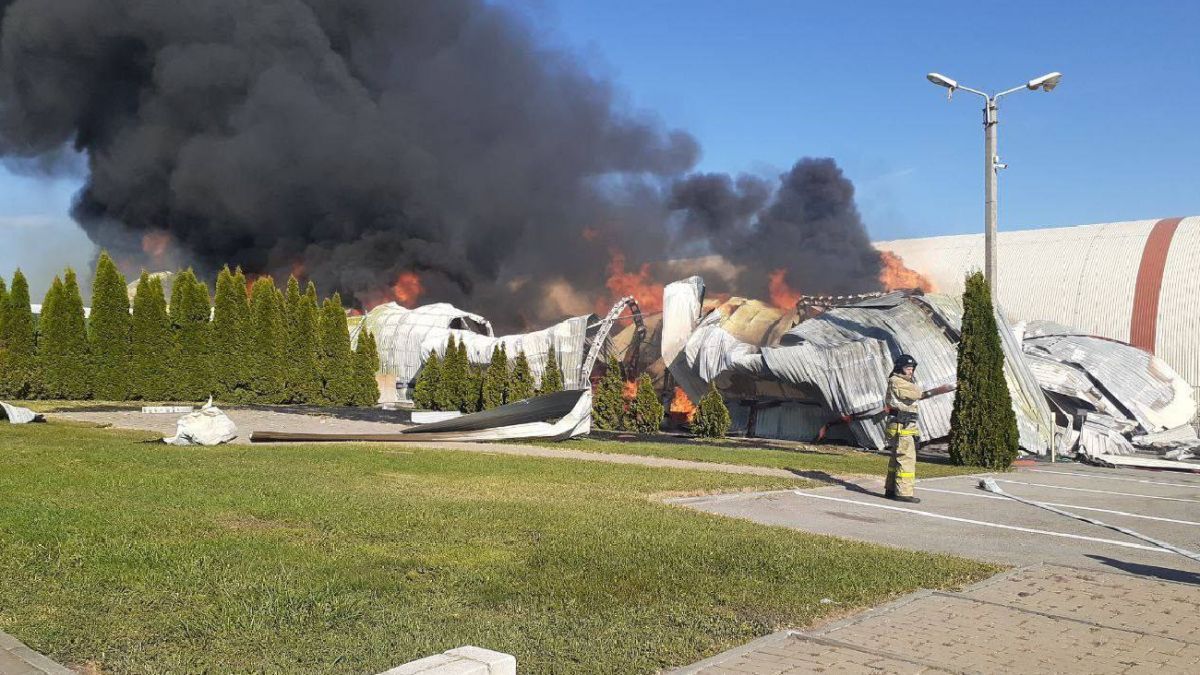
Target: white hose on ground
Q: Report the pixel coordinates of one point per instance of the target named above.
(990, 485)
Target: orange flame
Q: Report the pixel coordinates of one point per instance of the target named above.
(629, 390)
(639, 284)
(895, 275)
(155, 245)
(590, 233)
(682, 406)
(298, 269)
(782, 295)
(407, 288)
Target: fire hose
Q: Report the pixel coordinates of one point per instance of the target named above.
(990, 485)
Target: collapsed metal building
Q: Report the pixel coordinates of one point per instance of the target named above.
(406, 337)
(785, 375)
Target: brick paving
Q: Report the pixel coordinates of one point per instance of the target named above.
(1042, 618)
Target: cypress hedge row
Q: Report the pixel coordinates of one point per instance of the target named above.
(450, 381)
(254, 345)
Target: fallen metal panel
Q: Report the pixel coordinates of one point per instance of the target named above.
(18, 415)
(1139, 462)
(520, 421)
(536, 409)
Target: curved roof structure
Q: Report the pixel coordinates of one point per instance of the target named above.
(1133, 281)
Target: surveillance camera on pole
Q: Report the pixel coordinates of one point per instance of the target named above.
(991, 160)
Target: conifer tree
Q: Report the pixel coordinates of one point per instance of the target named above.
(983, 426)
(295, 368)
(608, 406)
(265, 363)
(62, 345)
(495, 379)
(428, 381)
(150, 370)
(337, 361)
(304, 382)
(366, 365)
(189, 311)
(712, 418)
(474, 400)
(521, 382)
(109, 333)
(464, 370)
(229, 337)
(19, 372)
(3, 303)
(448, 395)
(646, 411)
(552, 377)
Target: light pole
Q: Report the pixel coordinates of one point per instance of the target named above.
(991, 160)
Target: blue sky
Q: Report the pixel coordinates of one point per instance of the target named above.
(761, 83)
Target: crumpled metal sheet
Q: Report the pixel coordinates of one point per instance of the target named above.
(405, 337)
(16, 414)
(1103, 435)
(846, 353)
(1139, 385)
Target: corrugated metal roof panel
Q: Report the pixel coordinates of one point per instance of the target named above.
(1177, 342)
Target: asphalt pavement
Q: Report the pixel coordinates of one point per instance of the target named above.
(956, 517)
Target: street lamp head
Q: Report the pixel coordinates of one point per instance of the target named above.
(1046, 82)
(942, 81)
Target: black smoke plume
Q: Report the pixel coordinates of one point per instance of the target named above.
(356, 140)
(812, 229)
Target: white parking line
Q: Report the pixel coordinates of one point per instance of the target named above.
(1064, 506)
(1102, 492)
(1194, 486)
(982, 522)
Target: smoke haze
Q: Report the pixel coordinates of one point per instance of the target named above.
(354, 141)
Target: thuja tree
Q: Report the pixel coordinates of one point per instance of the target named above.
(3, 302)
(366, 364)
(520, 386)
(712, 416)
(192, 364)
(495, 379)
(231, 342)
(608, 406)
(62, 344)
(110, 333)
(983, 426)
(19, 376)
(474, 400)
(552, 377)
(449, 393)
(150, 372)
(302, 354)
(265, 358)
(646, 411)
(337, 361)
(428, 380)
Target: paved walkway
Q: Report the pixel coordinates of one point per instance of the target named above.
(266, 420)
(17, 659)
(1038, 619)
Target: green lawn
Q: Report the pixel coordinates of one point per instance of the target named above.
(145, 558)
(811, 459)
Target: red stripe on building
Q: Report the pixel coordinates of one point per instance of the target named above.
(1143, 323)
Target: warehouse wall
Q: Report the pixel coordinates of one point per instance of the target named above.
(1133, 281)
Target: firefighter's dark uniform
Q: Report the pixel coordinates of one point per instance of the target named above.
(902, 432)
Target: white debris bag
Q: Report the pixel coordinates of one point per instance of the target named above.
(16, 414)
(207, 426)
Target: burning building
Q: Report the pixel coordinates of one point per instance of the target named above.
(787, 375)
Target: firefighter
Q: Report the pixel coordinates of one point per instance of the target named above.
(902, 396)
